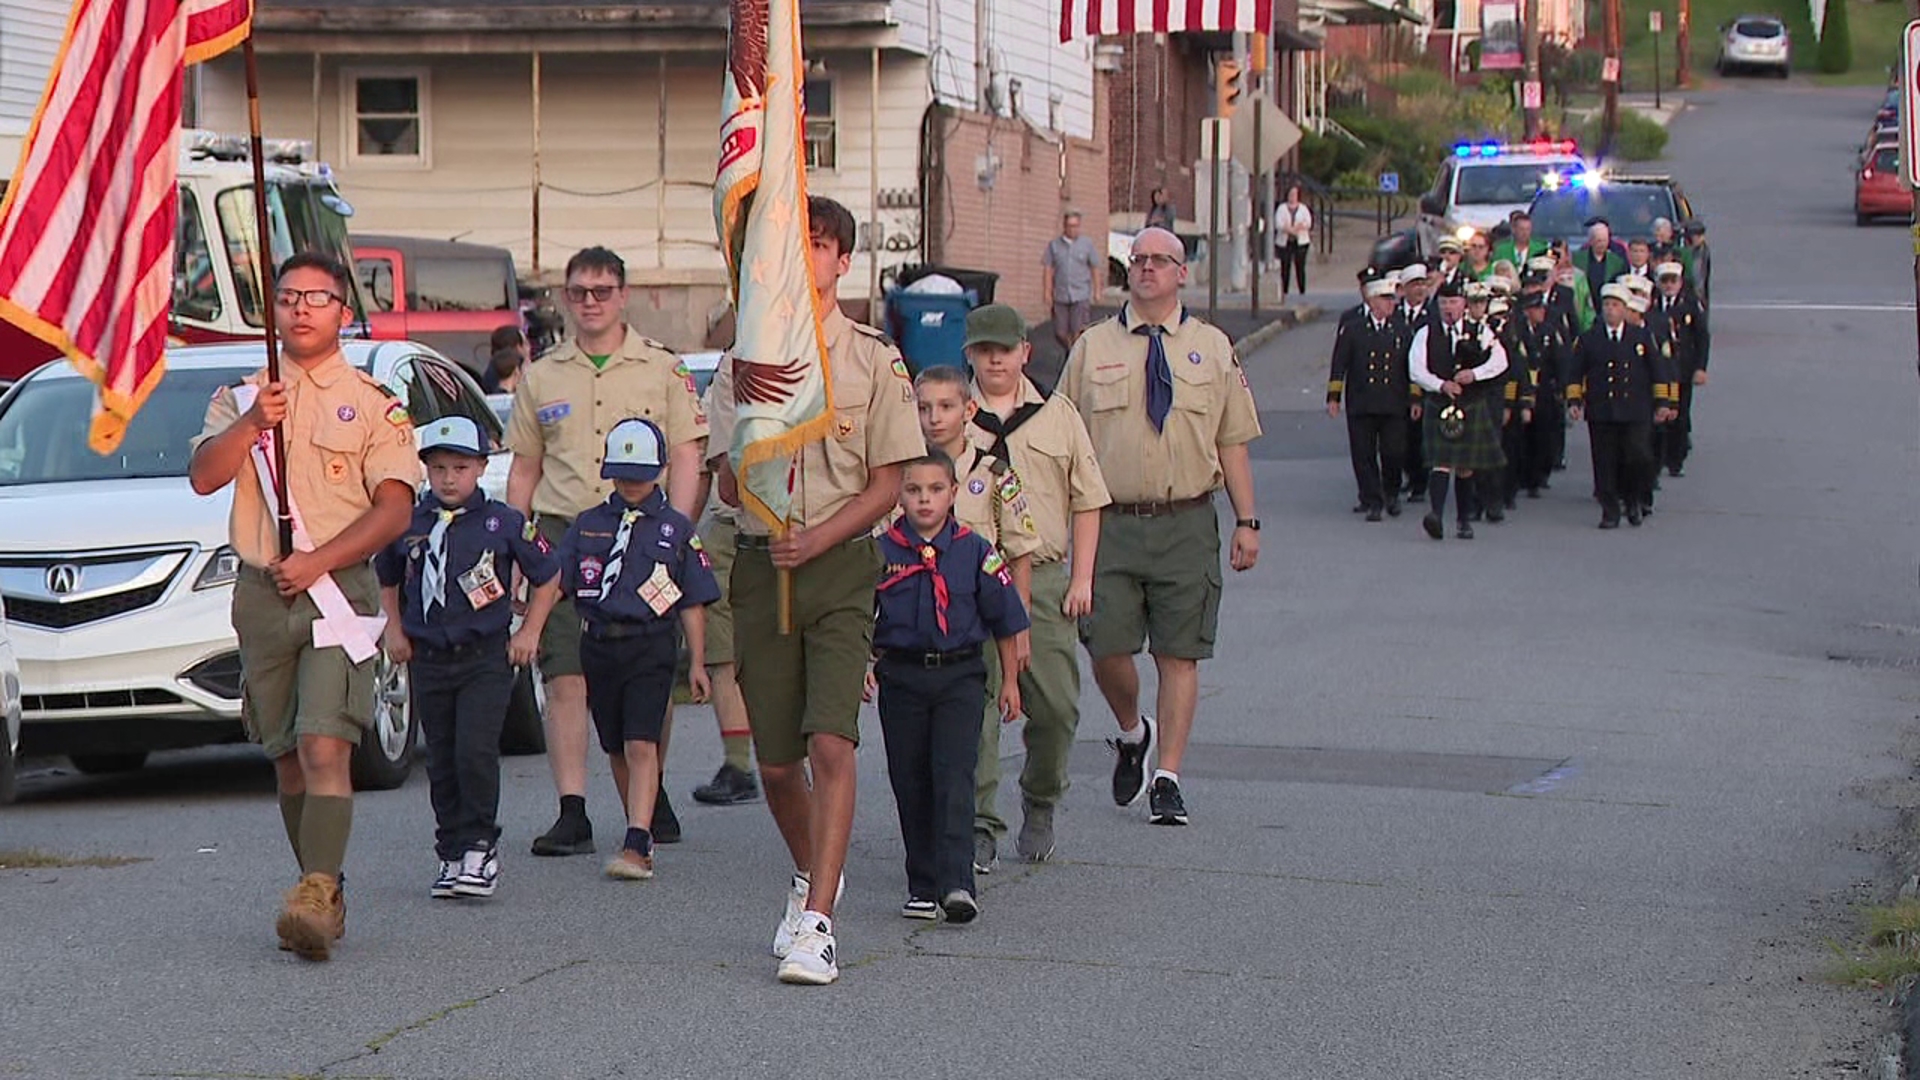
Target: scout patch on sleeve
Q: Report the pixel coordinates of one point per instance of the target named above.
(1009, 486)
(900, 368)
(553, 412)
(397, 415)
(993, 563)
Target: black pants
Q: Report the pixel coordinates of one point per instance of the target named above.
(1622, 462)
(1544, 442)
(1415, 461)
(1378, 446)
(1513, 443)
(459, 699)
(930, 718)
(1292, 257)
(1673, 440)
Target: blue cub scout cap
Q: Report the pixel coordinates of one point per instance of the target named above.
(455, 433)
(636, 450)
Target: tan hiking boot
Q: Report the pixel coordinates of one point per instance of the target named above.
(313, 917)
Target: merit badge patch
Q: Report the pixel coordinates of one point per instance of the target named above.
(553, 412)
(345, 412)
(590, 571)
(976, 485)
(397, 415)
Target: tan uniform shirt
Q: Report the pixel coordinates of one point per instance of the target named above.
(1054, 458)
(564, 407)
(875, 423)
(992, 501)
(345, 436)
(1105, 378)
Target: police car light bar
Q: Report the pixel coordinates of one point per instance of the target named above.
(1498, 149)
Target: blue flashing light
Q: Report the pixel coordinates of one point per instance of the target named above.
(1462, 150)
(1490, 150)
(1588, 180)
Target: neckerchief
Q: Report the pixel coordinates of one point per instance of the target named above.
(929, 564)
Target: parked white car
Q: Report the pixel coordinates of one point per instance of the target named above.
(117, 578)
(10, 712)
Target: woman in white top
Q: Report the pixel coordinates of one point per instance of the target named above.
(1292, 236)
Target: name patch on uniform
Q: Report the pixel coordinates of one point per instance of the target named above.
(553, 412)
(976, 485)
(345, 412)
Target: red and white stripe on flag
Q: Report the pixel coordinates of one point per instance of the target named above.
(1098, 18)
(86, 232)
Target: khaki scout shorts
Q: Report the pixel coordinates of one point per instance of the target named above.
(1156, 582)
(290, 688)
(560, 637)
(807, 682)
(718, 538)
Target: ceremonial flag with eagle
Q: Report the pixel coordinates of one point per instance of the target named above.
(782, 390)
(86, 232)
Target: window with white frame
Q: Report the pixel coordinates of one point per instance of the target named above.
(387, 116)
(821, 153)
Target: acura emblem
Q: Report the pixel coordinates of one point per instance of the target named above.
(63, 578)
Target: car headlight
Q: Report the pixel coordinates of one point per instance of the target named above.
(1464, 233)
(220, 570)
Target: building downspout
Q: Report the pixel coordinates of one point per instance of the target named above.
(536, 164)
(874, 245)
(660, 179)
(317, 155)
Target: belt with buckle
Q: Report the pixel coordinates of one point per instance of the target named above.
(621, 631)
(935, 659)
(490, 644)
(1159, 509)
(760, 542)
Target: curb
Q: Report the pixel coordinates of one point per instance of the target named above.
(1285, 320)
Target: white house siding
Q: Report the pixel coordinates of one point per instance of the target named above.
(1022, 37)
(30, 33)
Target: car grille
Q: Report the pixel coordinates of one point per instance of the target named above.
(219, 676)
(104, 699)
(51, 616)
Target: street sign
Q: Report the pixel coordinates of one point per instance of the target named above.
(1216, 141)
(1610, 70)
(1390, 182)
(1530, 94)
(1910, 105)
(1653, 22)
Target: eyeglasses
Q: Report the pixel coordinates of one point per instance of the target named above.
(1155, 259)
(313, 298)
(600, 293)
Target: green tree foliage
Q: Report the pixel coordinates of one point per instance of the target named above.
(1836, 40)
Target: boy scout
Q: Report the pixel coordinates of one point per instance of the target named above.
(803, 689)
(351, 471)
(445, 587)
(992, 501)
(1368, 374)
(1047, 442)
(1622, 384)
(1170, 415)
(563, 410)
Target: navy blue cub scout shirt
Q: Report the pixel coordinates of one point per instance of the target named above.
(484, 534)
(944, 594)
(662, 551)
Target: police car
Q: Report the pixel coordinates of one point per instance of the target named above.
(1480, 184)
(117, 579)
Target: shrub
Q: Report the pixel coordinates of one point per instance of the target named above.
(1640, 139)
(1324, 157)
(1836, 40)
(1357, 180)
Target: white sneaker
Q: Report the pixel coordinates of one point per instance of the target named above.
(479, 873)
(789, 928)
(811, 960)
(443, 882)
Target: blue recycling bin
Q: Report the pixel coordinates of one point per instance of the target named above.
(930, 328)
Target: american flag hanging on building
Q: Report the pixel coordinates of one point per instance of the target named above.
(86, 232)
(1096, 18)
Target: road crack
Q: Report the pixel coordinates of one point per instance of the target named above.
(381, 1041)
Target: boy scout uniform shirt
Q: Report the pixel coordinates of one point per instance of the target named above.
(875, 423)
(979, 601)
(485, 540)
(663, 558)
(564, 407)
(1105, 378)
(345, 437)
(1053, 456)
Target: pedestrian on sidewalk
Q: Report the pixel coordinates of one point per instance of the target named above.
(1292, 238)
(1070, 269)
(1161, 214)
(636, 572)
(1171, 416)
(445, 587)
(351, 470)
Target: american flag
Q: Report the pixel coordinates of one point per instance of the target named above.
(86, 232)
(1095, 18)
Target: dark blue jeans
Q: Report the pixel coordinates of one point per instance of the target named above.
(459, 699)
(930, 718)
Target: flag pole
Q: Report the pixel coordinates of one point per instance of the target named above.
(264, 252)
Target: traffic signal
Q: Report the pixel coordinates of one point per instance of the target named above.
(1228, 83)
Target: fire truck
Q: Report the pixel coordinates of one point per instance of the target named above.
(216, 292)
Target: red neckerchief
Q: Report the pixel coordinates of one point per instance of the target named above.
(929, 564)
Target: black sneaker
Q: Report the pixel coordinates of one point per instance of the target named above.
(729, 786)
(1167, 805)
(1130, 765)
(570, 835)
(1434, 526)
(1393, 507)
(666, 826)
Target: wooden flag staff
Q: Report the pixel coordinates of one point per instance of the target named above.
(283, 507)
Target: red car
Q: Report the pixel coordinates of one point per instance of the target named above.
(1878, 189)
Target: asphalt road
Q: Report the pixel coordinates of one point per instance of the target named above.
(1554, 803)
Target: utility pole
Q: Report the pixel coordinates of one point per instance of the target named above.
(1256, 227)
(1653, 28)
(1530, 90)
(1683, 45)
(1610, 76)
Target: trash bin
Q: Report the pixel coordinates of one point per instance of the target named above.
(978, 282)
(930, 328)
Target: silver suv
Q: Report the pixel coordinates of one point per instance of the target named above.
(1755, 43)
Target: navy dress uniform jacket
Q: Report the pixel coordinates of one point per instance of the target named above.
(1369, 369)
(979, 601)
(1682, 325)
(1621, 382)
(660, 537)
(483, 528)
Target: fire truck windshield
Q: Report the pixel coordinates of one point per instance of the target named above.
(303, 216)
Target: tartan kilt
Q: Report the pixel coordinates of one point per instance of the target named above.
(1477, 450)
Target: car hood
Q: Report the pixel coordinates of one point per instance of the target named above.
(93, 514)
(1483, 216)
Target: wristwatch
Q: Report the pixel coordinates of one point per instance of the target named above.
(1248, 523)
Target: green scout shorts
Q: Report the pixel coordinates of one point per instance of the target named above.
(1156, 582)
(560, 637)
(718, 538)
(289, 688)
(807, 682)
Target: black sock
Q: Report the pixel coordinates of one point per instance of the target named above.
(573, 806)
(639, 840)
(1437, 491)
(1469, 495)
